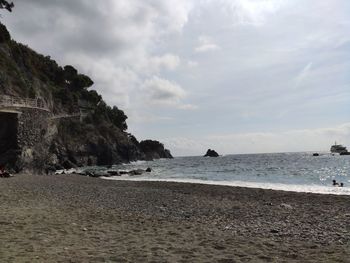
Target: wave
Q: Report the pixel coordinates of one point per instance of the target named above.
(317, 189)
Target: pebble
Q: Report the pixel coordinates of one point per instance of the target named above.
(287, 206)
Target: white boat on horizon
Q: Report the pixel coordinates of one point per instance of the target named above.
(338, 148)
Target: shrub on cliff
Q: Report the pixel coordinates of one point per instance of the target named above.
(105, 113)
(6, 5)
(4, 34)
(76, 81)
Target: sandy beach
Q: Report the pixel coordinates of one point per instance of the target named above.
(71, 218)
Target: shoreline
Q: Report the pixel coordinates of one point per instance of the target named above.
(324, 190)
(46, 218)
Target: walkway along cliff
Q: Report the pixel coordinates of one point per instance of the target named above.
(49, 119)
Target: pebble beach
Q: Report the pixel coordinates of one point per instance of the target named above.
(71, 218)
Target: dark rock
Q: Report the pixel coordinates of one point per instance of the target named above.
(148, 170)
(211, 153)
(50, 169)
(344, 153)
(68, 164)
(114, 173)
(316, 154)
(136, 172)
(154, 150)
(95, 175)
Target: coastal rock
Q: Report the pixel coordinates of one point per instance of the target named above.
(114, 173)
(72, 125)
(211, 153)
(154, 150)
(136, 172)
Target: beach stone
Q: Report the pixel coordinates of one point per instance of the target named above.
(274, 231)
(136, 172)
(148, 170)
(287, 206)
(114, 173)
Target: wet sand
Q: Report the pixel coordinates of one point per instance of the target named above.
(71, 218)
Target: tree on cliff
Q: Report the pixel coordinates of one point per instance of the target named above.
(6, 5)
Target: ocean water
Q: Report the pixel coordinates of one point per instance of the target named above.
(300, 172)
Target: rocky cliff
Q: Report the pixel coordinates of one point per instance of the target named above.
(69, 126)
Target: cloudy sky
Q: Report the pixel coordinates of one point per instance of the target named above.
(239, 76)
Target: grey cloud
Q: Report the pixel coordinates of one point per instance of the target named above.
(254, 83)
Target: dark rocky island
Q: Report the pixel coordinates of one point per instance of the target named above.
(211, 153)
(51, 120)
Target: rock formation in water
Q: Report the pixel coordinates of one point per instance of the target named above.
(49, 119)
(211, 153)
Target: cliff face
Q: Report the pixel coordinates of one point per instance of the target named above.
(65, 124)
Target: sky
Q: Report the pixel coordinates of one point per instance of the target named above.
(237, 76)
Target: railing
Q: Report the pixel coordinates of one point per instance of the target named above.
(62, 116)
(18, 102)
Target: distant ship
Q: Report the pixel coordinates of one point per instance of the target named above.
(338, 148)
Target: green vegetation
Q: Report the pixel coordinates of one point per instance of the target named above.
(98, 138)
(4, 34)
(26, 70)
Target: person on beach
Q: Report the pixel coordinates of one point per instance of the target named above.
(335, 183)
(3, 172)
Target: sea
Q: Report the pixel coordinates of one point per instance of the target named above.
(298, 172)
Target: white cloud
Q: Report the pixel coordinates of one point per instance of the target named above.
(191, 64)
(303, 74)
(188, 107)
(163, 92)
(167, 61)
(113, 41)
(146, 118)
(251, 12)
(206, 44)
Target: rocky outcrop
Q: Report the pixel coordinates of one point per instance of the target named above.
(80, 144)
(154, 150)
(211, 153)
(77, 128)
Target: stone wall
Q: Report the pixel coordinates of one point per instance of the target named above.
(29, 128)
(32, 127)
